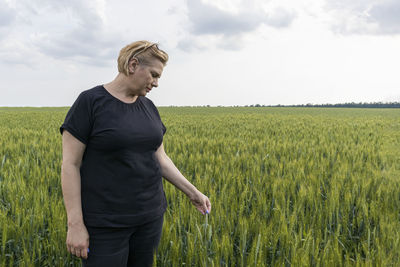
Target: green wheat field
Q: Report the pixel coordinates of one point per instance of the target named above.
(289, 187)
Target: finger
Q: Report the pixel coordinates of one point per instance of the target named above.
(201, 209)
(205, 210)
(78, 253)
(208, 206)
(84, 253)
(71, 249)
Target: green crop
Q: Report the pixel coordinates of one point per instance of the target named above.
(288, 186)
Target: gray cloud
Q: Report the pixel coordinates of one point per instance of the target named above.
(189, 44)
(7, 18)
(387, 15)
(80, 44)
(280, 18)
(227, 28)
(207, 19)
(366, 16)
(7, 14)
(81, 37)
(87, 40)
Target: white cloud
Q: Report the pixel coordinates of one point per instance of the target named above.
(15, 52)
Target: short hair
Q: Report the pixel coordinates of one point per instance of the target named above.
(143, 51)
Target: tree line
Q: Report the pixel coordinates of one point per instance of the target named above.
(340, 105)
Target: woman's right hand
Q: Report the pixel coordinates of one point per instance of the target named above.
(78, 240)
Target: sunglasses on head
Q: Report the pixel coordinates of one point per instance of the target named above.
(144, 48)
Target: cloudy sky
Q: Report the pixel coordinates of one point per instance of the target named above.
(222, 52)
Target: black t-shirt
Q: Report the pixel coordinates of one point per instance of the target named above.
(121, 182)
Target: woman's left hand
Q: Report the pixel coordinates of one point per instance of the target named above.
(201, 202)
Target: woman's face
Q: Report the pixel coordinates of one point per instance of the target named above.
(145, 76)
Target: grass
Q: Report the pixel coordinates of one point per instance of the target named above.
(289, 187)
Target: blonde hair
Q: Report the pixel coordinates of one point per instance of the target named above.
(143, 51)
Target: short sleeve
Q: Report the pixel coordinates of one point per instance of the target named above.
(79, 118)
(164, 129)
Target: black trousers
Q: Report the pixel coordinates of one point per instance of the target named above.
(122, 247)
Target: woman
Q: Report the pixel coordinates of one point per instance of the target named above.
(113, 161)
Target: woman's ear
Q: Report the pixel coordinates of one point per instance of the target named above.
(133, 63)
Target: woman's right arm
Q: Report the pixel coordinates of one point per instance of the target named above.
(77, 235)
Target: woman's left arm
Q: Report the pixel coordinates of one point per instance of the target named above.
(170, 172)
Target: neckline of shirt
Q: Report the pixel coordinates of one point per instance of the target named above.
(119, 100)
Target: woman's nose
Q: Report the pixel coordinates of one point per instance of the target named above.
(155, 83)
